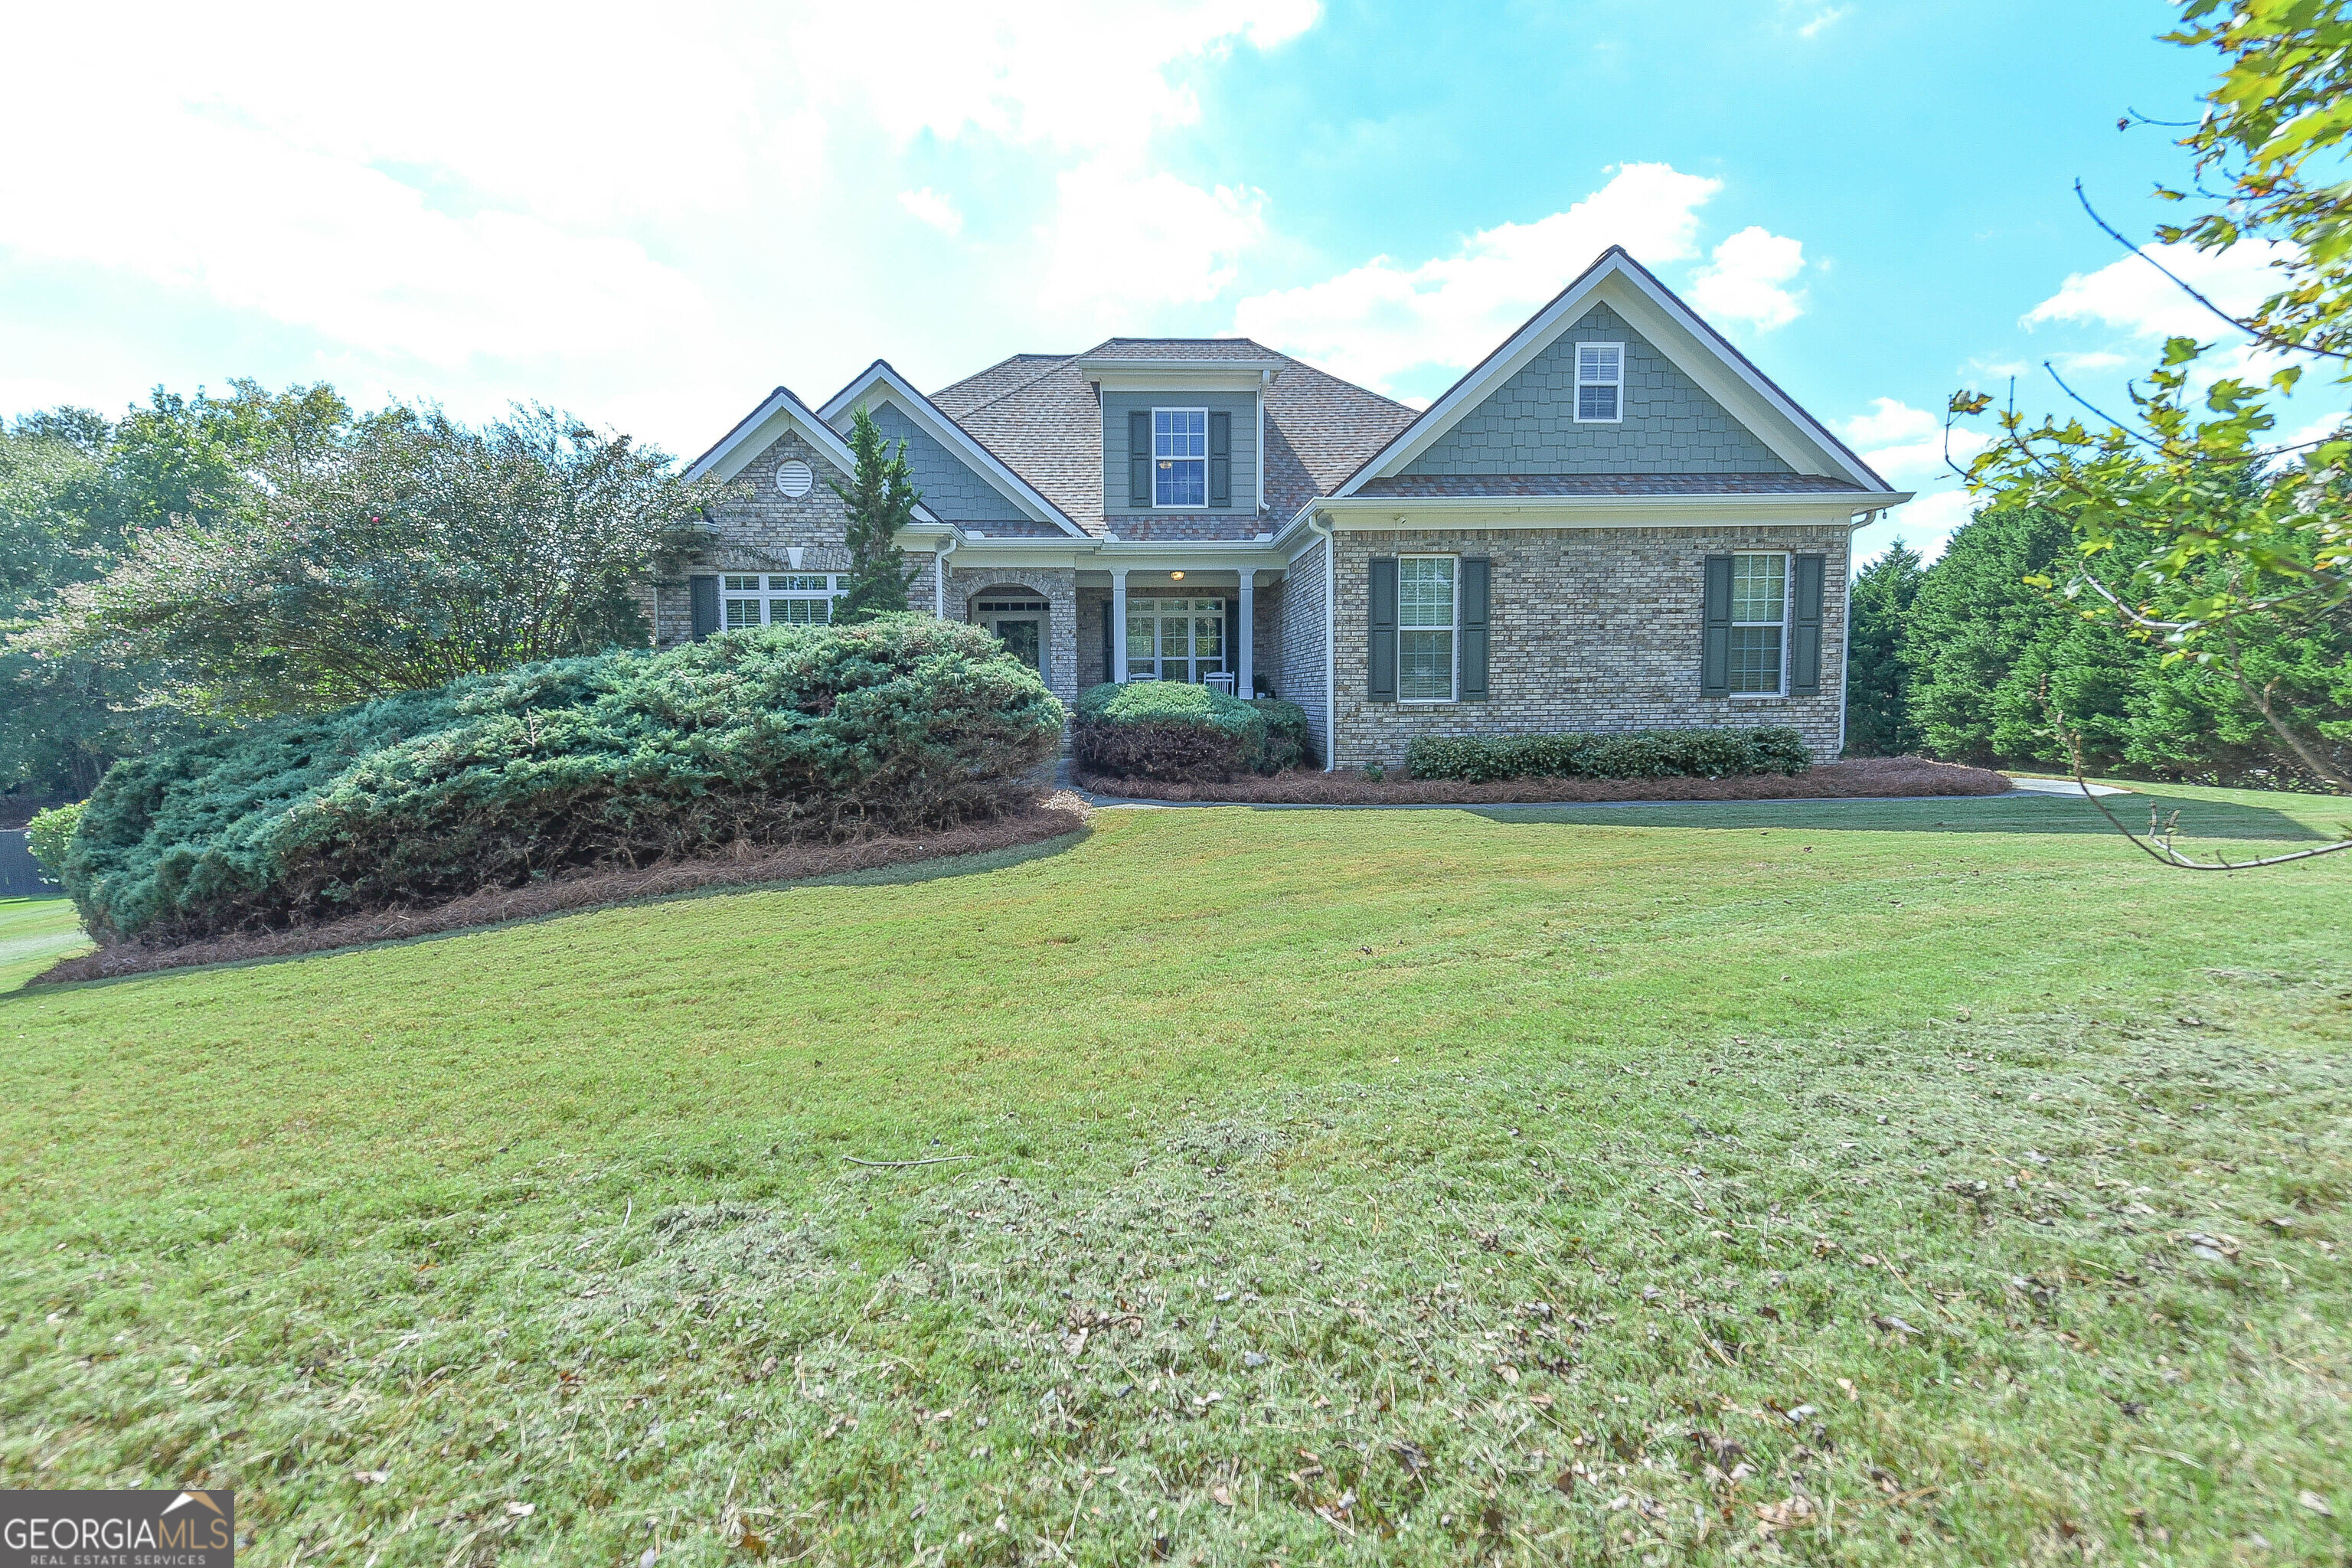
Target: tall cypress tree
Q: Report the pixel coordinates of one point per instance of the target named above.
(1877, 686)
(881, 497)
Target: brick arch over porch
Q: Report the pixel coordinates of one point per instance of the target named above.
(967, 585)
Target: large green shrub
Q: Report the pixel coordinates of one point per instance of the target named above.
(1711, 753)
(1171, 730)
(767, 736)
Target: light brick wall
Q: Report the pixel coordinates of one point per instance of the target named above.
(756, 529)
(1594, 630)
(1301, 639)
(1266, 634)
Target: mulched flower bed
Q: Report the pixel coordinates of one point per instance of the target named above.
(1864, 778)
(1051, 816)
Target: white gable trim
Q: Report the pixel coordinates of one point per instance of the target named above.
(1696, 349)
(841, 408)
(758, 430)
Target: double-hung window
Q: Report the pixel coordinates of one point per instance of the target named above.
(1759, 619)
(1425, 626)
(1600, 383)
(1180, 456)
(785, 599)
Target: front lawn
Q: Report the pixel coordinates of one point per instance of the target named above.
(1935, 1182)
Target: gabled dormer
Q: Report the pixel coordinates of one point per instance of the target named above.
(1183, 425)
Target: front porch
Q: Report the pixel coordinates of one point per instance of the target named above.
(1081, 627)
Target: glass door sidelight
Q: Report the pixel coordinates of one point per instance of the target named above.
(1176, 640)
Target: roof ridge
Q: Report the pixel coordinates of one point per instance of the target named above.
(1023, 386)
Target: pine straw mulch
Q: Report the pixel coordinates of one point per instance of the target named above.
(1049, 816)
(1862, 779)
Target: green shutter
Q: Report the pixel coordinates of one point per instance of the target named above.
(1381, 651)
(1220, 459)
(1139, 457)
(1478, 574)
(702, 593)
(1805, 634)
(1714, 634)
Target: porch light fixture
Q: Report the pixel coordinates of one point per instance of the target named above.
(1175, 576)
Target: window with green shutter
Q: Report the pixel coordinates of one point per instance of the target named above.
(1759, 620)
(1425, 627)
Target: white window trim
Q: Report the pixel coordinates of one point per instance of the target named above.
(1575, 392)
(1454, 627)
(1152, 607)
(1157, 505)
(767, 595)
(1788, 613)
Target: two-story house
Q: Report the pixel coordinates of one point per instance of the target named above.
(1614, 521)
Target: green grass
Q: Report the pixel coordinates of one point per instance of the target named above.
(1435, 1186)
(34, 934)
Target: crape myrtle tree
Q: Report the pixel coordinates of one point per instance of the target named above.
(75, 488)
(350, 558)
(2232, 536)
(881, 498)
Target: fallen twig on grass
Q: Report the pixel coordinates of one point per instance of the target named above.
(893, 1164)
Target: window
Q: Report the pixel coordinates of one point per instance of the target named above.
(1425, 628)
(1175, 639)
(1180, 456)
(796, 599)
(1759, 615)
(1600, 383)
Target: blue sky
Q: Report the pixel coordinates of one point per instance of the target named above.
(653, 223)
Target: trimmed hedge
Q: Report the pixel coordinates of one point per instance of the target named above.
(763, 737)
(1182, 733)
(1698, 752)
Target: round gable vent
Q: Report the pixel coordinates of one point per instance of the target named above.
(793, 478)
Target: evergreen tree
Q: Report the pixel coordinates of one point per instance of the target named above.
(881, 497)
(1877, 686)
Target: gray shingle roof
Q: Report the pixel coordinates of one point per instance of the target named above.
(1039, 414)
(1532, 485)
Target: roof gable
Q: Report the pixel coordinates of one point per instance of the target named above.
(968, 477)
(1774, 433)
(759, 430)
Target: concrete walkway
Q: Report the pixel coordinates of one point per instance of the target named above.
(1113, 802)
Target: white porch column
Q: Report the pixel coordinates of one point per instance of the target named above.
(1244, 686)
(1118, 625)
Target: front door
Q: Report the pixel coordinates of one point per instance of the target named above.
(1020, 625)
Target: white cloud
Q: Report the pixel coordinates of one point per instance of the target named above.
(927, 205)
(2131, 294)
(1825, 19)
(1743, 283)
(627, 219)
(1376, 323)
(1907, 446)
(1123, 240)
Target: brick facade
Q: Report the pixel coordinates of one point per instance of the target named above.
(1593, 630)
(758, 527)
(1300, 640)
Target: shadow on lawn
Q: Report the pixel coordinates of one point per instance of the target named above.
(2019, 812)
(932, 870)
